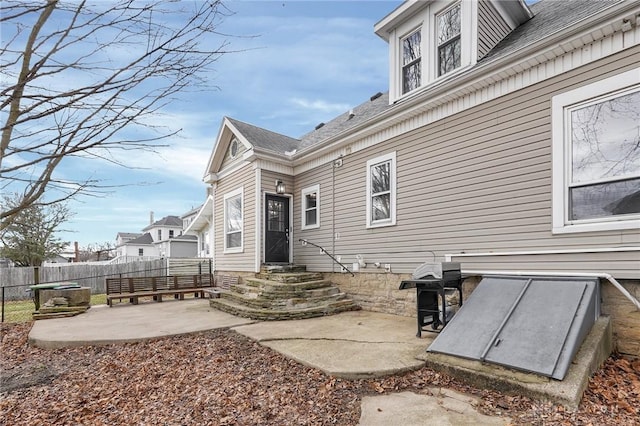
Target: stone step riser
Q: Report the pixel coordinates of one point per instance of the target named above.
(269, 315)
(290, 278)
(266, 269)
(297, 303)
(270, 294)
(280, 286)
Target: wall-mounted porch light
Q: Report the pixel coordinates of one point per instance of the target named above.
(280, 187)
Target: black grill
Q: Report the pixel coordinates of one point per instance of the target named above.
(431, 288)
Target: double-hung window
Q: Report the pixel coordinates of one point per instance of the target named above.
(411, 57)
(596, 156)
(381, 191)
(311, 207)
(448, 40)
(233, 205)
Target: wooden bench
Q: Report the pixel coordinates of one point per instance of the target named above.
(133, 288)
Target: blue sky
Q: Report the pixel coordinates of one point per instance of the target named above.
(310, 61)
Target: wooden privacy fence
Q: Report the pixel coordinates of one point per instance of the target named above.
(17, 280)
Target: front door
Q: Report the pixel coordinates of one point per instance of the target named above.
(276, 245)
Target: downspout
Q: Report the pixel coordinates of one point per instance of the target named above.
(602, 275)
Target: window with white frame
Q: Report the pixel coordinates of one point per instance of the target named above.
(381, 191)
(311, 207)
(140, 252)
(448, 40)
(233, 205)
(171, 233)
(159, 234)
(596, 156)
(411, 61)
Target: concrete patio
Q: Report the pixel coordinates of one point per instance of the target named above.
(351, 345)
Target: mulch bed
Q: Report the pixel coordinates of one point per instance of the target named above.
(223, 378)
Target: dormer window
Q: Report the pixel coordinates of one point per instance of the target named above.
(411, 57)
(449, 45)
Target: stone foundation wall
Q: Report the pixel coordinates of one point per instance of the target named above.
(625, 317)
(379, 293)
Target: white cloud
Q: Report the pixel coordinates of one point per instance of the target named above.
(320, 105)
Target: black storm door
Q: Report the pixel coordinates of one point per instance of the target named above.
(276, 246)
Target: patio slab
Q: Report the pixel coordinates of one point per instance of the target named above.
(102, 325)
(352, 345)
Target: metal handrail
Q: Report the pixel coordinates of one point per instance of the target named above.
(323, 251)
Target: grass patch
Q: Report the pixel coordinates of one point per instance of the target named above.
(21, 310)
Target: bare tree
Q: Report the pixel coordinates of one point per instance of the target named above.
(83, 79)
(31, 238)
(96, 252)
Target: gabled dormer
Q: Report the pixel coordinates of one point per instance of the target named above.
(433, 41)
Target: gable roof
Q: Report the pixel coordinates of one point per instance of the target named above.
(265, 139)
(166, 221)
(144, 239)
(128, 234)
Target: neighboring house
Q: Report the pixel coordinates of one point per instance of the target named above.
(142, 247)
(200, 226)
(124, 237)
(508, 141)
(162, 238)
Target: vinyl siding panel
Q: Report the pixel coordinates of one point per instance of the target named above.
(478, 181)
(491, 28)
(322, 236)
(245, 261)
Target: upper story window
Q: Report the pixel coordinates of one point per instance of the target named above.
(411, 61)
(381, 191)
(171, 233)
(159, 234)
(596, 151)
(429, 42)
(448, 40)
(233, 203)
(140, 252)
(311, 207)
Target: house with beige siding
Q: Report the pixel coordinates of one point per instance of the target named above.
(508, 141)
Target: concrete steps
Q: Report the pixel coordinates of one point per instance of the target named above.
(281, 293)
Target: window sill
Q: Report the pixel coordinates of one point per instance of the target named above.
(598, 227)
(304, 228)
(380, 225)
(233, 250)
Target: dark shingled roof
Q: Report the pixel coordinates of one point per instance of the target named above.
(282, 144)
(144, 239)
(342, 123)
(167, 221)
(265, 139)
(129, 234)
(549, 17)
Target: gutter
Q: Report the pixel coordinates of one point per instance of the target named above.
(600, 275)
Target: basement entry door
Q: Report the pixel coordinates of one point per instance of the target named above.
(534, 324)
